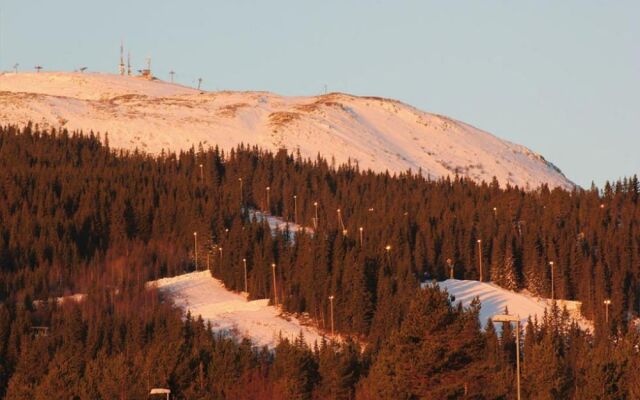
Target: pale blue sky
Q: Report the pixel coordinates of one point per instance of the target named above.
(562, 78)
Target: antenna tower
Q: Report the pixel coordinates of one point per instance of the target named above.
(121, 69)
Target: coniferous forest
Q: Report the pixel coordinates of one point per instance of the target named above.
(79, 217)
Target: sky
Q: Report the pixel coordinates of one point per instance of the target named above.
(562, 78)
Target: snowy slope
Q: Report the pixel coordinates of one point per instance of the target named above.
(230, 312)
(379, 134)
(494, 299)
(279, 224)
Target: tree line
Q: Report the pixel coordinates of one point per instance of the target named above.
(79, 217)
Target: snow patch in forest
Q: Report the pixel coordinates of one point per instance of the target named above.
(494, 299)
(231, 313)
(77, 298)
(279, 224)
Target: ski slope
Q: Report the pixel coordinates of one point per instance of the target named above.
(231, 313)
(494, 299)
(376, 133)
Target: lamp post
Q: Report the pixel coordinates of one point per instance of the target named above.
(220, 251)
(244, 261)
(275, 288)
(195, 248)
(495, 212)
(201, 173)
(295, 209)
(450, 264)
(552, 282)
(607, 303)
(361, 229)
(480, 257)
(315, 221)
(241, 194)
(387, 250)
(344, 231)
(268, 210)
(512, 318)
(331, 302)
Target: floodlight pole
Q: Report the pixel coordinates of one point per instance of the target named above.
(512, 318)
(607, 303)
(344, 230)
(315, 221)
(268, 210)
(480, 257)
(244, 261)
(387, 249)
(275, 289)
(552, 282)
(195, 248)
(331, 302)
(518, 355)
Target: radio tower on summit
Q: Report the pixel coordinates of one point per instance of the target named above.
(122, 70)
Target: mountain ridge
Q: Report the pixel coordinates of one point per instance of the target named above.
(374, 132)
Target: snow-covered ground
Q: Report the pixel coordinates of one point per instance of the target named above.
(377, 133)
(78, 298)
(229, 312)
(279, 224)
(494, 299)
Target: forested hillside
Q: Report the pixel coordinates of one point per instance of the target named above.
(79, 217)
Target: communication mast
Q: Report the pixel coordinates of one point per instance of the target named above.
(121, 69)
(146, 73)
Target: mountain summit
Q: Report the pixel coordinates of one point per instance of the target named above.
(375, 133)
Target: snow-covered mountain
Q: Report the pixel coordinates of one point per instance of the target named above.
(376, 133)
